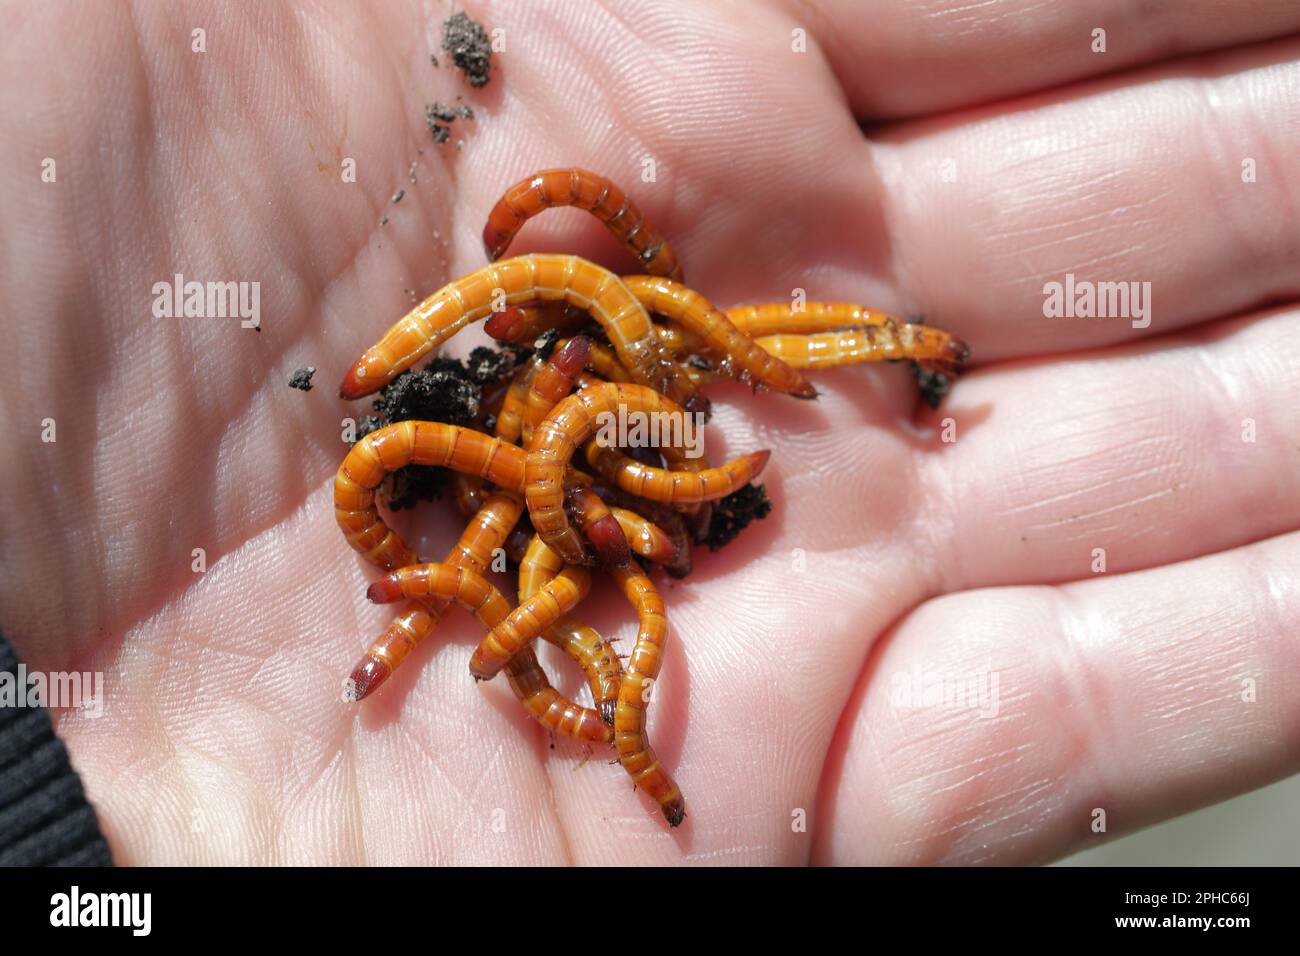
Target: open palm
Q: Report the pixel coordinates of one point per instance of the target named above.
(1107, 548)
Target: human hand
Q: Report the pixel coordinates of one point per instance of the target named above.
(891, 555)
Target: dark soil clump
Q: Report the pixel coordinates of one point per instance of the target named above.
(470, 50)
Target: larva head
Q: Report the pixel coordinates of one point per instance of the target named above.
(957, 351)
(495, 241)
(500, 325)
(369, 374)
(481, 667)
(675, 811)
(609, 541)
(385, 591)
(364, 679)
(805, 390)
(699, 403)
(680, 566)
(569, 358)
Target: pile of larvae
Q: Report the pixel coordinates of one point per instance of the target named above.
(535, 469)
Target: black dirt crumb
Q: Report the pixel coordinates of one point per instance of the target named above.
(442, 392)
(446, 390)
(933, 385)
(699, 362)
(439, 116)
(467, 42)
(486, 365)
(384, 221)
(734, 512)
(302, 378)
(397, 196)
(433, 58)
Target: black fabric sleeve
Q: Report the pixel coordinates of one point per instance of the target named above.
(44, 817)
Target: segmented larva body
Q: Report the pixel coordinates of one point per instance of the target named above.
(510, 420)
(782, 318)
(473, 592)
(686, 306)
(595, 655)
(386, 652)
(868, 343)
(553, 381)
(674, 487)
(664, 517)
(630, 738)
(523, 324)
(604, 362)
(468, 492)
(575, 420)
(525, 399)
(646, 538)
(585, 190)
(484, 533)
(599, 526)
(411, 443)
(431, 443)
(479, 540)
(551, 708)
(527, 622)
(547, 277)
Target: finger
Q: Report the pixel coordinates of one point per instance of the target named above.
(1118, 460)
(1174, 186)
(1112, 703)
(909, 58)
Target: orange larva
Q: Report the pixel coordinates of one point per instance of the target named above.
(599, 526)
(525, 323)
(664, 517)
(510, 420)
(646, 538)
(523, 279)
(585, 190)
(396, 446)
(472, 591)
(575, 420)
(669, 487)
(483, 534)
(473, 551)
(553, 381)
(595, 655)
(868, 343)
(630, 739)
(781, 318)
(525, 623)
(716, 332)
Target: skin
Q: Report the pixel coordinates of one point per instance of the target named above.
(889, 552)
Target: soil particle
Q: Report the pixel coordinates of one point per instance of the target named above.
(470, 50)
(301, 379)
(734, 512)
